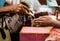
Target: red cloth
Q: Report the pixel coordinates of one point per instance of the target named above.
(54, 35)
(55, 32)
(33, 37)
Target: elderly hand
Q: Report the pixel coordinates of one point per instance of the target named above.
(44, 20)
(20, 9)
(15, 8)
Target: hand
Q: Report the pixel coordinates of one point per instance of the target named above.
(25, 10)
(45, 20)
(16, 8)
(20, 8)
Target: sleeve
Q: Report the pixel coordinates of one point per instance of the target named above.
(13, 2)
(16, 2)
(2, 3)
(53, 2)
(36, 5)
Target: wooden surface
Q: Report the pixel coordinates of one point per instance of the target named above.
(37, 30)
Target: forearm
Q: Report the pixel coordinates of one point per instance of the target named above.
(56, 23)
(6, 9)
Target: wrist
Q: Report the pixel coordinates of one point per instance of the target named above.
(13, 8)
(53, 23)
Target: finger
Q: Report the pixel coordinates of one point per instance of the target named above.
(25, 11)
(18, 9)
(25, 7)
(20, 5)
(36, 19)
(43, 16)
(40, 18)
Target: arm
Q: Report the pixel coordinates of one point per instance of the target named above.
(49, 21)
(11, 8)
(7, 8)
(56, 23)
(16, 8)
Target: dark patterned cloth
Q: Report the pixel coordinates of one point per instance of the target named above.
(13, 23)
